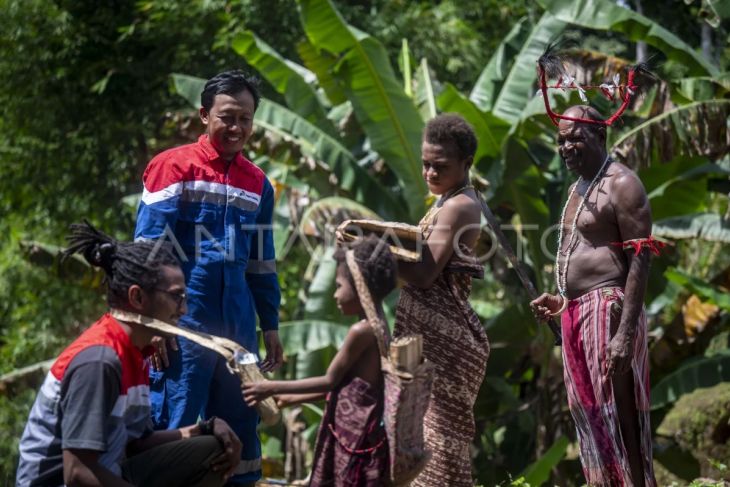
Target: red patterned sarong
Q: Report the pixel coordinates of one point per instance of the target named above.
(586, 326)
(351, 449)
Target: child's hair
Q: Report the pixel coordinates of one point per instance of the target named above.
(124, 263)
(376, 262)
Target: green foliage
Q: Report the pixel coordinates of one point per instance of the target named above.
(13, 415)
(697, 425)
(539, 472)
(305, 336)
(708, 292)
(286, 77)
(87, 99)
(386, 114)
(608, 16)
(517, 81)
(697, 373)
(695, 129)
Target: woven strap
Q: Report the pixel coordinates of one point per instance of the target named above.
(223, 346)
(382, 334)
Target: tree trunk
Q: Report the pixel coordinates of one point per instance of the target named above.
(641, 50)
(707, 45)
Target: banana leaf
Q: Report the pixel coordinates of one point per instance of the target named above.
(321, 218)
(605, 15)
(678, 188)
(706, 226)
(699, 88)
(702, 288)
(386, 114)
(518, 85)
(492, 77)
(304, 336)
(509, 333)
(74, 268)
(539, 472)
(424, 95)
(490, 130)
(322, 63)
(319, 282)
(698, 128)
(521, 191)
(353, 179)
(293, 81)
(404, 63)
(314, 363)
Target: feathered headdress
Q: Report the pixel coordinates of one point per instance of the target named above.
(550, 66)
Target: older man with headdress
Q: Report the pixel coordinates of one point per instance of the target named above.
(601, 271)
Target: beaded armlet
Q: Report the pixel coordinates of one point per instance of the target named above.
(637, 244)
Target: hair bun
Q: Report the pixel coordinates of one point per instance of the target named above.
(102, 255)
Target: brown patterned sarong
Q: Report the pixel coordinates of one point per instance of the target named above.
(586, 327)
(351, 449)
(455, 341)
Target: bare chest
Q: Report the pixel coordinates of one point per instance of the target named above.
(590, 216)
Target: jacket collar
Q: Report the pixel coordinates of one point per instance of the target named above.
(212, 154)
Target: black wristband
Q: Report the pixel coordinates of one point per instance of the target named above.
(206, 427)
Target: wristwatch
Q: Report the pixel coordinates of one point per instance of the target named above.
(206, 427)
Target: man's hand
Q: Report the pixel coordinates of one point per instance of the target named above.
(231, 456)
(274, 352)
(619, 354)
(254, 393)
(160, 359)
(546, 305)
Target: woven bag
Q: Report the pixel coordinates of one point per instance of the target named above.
(406, 395)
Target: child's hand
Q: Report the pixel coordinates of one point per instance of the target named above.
(254, 393)
(284, 400)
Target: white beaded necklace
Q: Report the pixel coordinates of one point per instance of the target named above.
(561, 275)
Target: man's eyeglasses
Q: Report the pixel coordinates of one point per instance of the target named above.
(179, 296)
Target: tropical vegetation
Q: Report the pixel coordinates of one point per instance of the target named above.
(93, 93)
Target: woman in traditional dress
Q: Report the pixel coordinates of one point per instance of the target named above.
(434, 301)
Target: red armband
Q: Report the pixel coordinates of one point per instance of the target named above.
(637, 244)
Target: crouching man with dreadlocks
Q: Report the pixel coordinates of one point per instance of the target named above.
(91, 422)
(601, 271)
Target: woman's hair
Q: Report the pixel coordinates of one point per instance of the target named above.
(124, 263)
(451, 130)
(377, 265)
(229, 83)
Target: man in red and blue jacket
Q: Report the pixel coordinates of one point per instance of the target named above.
(216, 207)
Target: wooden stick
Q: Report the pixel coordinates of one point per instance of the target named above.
(507, 248)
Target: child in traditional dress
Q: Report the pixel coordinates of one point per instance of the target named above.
(351, 447)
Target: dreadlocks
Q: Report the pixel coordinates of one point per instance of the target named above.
(124, 263)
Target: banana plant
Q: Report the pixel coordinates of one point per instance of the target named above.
(387, 115)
